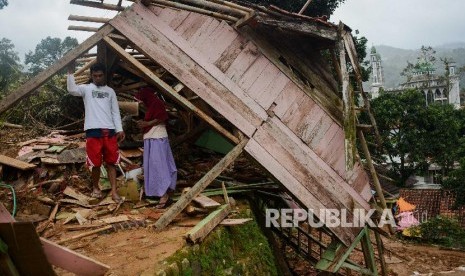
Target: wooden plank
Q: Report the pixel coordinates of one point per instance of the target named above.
(72, 261)
(97, 5)
(230, 54)
(323, 146)
(319, 92)
(287, 179)
(205, 226)
(221, 39)
(202, 40)
(244, 60)
(186, 198)
(177, 20)
(318, 132)
(79, 196)
(168, 89)
(32, 84)
(288, 95)
(253, 72)
(269, 95)
(267, 76)
(298, 112)
(25, 249)
(239, 111)
(231, 222)
(305, 166)
(205, 201)
(15, 163)
(326, 173)
(193, 25)
(62, 256)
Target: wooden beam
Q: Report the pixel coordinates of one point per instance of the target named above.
(348, 108)
(97, 5)
(185, 199)
(82, 28)
(85, 67)
(88, 19)
(315, 30)
(15, 163)
(34, 83)
(205, 226)
(168, 89)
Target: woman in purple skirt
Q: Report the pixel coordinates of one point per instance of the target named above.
(160, 172)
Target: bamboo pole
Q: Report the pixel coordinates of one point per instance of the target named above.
(195, 9)
(185, 199)
(73, 17)
(373, 173)
(82, 28)
(168, 89)
(305, 7)
(233, 5)
(215, 6)
(97, 5)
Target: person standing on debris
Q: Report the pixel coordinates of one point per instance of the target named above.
(102, 125)
(160, 173)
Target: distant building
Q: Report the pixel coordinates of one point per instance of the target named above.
(435, 87)
(377, 77)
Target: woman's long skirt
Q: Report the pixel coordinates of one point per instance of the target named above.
(160, 172)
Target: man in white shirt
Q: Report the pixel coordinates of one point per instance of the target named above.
(102, 125)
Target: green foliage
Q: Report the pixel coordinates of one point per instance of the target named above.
(316, 7)
(416, 134)
(242, 248)
(3, 3)
(425, 63)
(10, 67)
(456, 181)
(47, 52)
(444, 231)
(398, 117)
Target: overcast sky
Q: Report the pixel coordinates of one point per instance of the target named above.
(399, 23)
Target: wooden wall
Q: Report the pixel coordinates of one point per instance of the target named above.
(291, 134)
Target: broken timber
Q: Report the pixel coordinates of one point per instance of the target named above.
(201, 230)
(185, 199)
(61, 256)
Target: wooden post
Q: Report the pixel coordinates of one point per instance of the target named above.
(373, 173)
(185, 199)
(31, 85)
(82, 28)
(168, 89)
(352, 52)
(348, 108)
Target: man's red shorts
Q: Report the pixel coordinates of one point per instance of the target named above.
(106, 147)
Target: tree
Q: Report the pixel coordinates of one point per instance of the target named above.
(10, 68)
(316, 7)
(48, 51)
(425, 63)
(398, 117)
(3, 3)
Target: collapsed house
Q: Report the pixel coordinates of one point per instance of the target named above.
(260, 78)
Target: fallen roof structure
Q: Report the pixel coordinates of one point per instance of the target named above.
(258, 77)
